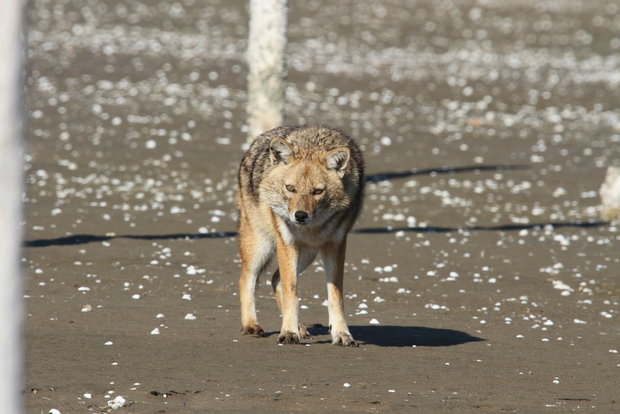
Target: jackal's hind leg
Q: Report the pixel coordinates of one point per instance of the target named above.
(303, 332)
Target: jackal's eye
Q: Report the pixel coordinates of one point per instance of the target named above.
(290, 188)
(317, 191)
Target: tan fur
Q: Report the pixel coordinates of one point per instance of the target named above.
(300, 191)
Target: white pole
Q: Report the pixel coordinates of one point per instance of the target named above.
(11, 119)
(267, 65)
(610, 195)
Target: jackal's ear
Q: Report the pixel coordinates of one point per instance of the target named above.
(338, 159)
(279, 151)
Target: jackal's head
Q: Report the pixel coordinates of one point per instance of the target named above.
(305, 186)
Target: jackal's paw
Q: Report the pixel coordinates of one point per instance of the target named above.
(343, 339)
(288, 337)
(303, 332)
(253, 330)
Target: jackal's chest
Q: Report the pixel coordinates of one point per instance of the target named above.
(316, 236)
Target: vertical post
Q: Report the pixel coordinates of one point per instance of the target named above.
(11, 119)
(610, 195)
(267, 65)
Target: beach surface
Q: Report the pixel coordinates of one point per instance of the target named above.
(480, 277)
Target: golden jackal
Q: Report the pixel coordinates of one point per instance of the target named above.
(300, 191)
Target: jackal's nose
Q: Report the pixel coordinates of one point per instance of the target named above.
(301, 216)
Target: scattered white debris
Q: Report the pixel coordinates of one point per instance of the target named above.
(109, 343)
(374, 322)
(186, 296)
(190, 317)
(54, 411)
(155, 331)
(579, 321)
(560, 238)
(87, 308)
(435, 306)
(117, 403)
(566, 289)
(606, 315)
(559, 192)
(391, 279)
(346, 385)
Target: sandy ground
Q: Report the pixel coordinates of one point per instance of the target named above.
(480, 277)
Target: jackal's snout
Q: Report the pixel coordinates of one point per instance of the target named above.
(301, 217)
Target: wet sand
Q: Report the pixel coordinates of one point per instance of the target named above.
(479, 278)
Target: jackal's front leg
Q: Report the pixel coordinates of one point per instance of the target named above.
(255, 252)
(333, 257)
(287, 262)
(247, 285)
(304, 259)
